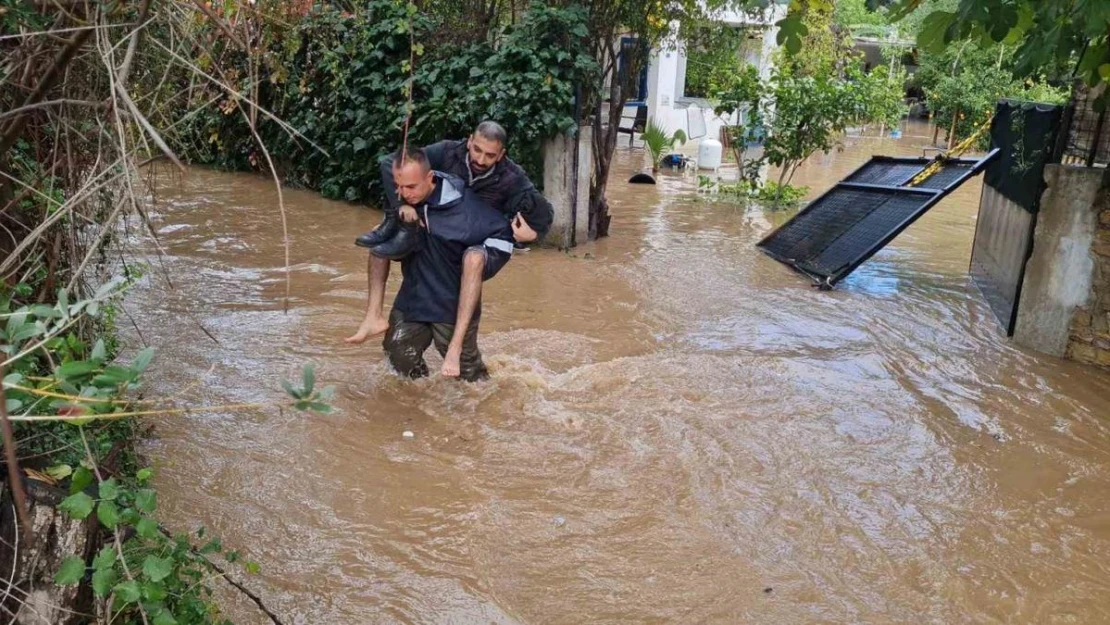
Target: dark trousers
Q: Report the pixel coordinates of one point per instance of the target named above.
(406, 341)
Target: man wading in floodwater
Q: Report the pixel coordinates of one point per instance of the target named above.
(480, 161)
(452, 223)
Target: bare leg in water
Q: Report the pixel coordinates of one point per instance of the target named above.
(474, 263)
(375, 323)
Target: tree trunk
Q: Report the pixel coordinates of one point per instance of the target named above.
(605, 143)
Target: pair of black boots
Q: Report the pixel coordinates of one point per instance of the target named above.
(392, 239)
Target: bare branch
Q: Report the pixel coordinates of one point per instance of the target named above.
(15, 128)
(49, 103)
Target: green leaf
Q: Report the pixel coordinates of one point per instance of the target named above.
(13, 379)
(142, 360)
(212, 546)
(289, 389)
(147, 528)
(108, 513)
(144, 475)
(791, 32)
(71, 571)
(253, 568)
(76, 369)
(109, 489)
(63, 299)
(113, 375)
(59, 471)
(157, 569)
(146, 500)
(77, 506)
(359, 144)
(326, 394)
(165, 617)
(106, 559)
(12, 404)
(99, 352)
(24, 332)
(931, 37)
(127, 592)
(82, 477)
(102, 581)
(1104, 71)
(154, 592)
(45, 312)
(309, 379)
(322, 408)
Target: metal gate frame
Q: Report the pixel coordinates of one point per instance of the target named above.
(930, 197)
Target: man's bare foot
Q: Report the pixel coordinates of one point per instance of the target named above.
(451, 362)
(371, 326)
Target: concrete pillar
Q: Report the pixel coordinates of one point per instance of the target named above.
(663, 82)
(1065, 297)
(568, 187)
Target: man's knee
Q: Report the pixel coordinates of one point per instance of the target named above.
(474, 259)
(404, 344)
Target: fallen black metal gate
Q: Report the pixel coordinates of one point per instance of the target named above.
(844, 227)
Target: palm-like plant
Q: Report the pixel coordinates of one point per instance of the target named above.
(658, 142)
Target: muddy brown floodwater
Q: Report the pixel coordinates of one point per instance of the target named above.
(678, 429)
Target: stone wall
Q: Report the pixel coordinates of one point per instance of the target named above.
(1089, 336)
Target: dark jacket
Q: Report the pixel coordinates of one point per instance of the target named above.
(505, 187)
(455, 219)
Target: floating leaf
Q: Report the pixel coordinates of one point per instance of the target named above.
(71, 571)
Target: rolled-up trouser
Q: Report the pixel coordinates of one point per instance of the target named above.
(498, 253)
(406, 341)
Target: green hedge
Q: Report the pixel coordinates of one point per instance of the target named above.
(338, 78)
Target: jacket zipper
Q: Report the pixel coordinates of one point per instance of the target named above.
(427, 223)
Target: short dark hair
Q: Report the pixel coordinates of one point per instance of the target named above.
(411, 155)
(493, 131)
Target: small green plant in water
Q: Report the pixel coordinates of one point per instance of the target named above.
(658, 143)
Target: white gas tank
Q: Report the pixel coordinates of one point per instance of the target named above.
(709, 154)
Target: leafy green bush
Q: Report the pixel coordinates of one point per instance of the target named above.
(339, 79)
